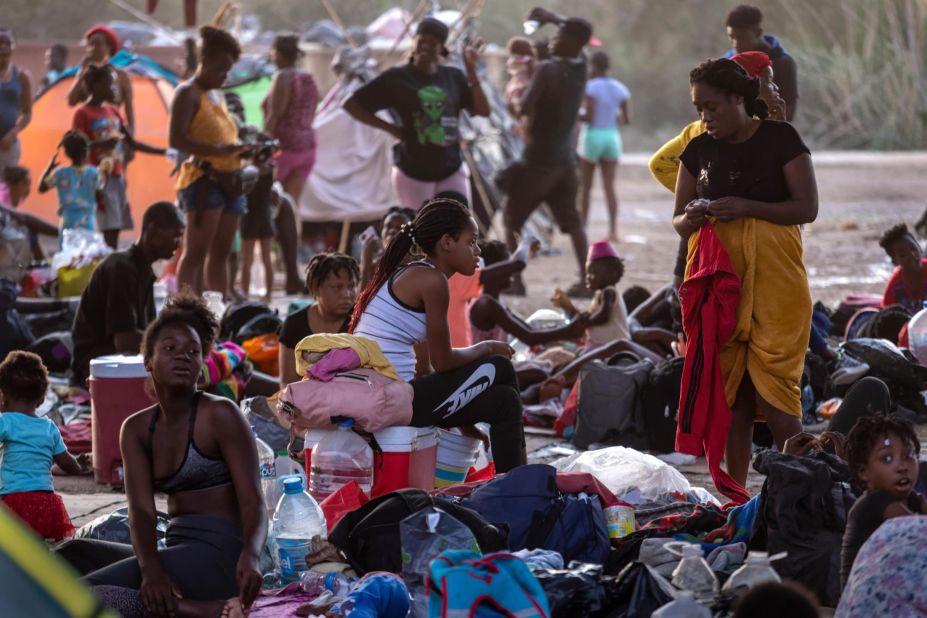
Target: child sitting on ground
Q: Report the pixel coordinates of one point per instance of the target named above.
(30, 446)
(491, 319)
(908, 284)
(607, 316)
(78, 185)
(882, 456)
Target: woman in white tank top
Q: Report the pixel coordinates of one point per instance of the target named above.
(406, 305)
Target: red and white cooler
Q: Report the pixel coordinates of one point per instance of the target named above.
(408, 458)
(117, 391)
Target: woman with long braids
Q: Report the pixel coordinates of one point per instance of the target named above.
(746, 184)
(406, 305)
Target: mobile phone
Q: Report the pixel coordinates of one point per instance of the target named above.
(368, 234)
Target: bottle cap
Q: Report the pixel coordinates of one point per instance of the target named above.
(348, 422)
(691, 550)
(293, 485)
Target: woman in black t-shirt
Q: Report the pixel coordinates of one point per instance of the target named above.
(752, 179)
(332, 279)
(428, 98)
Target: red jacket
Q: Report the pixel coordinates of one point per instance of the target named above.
(709, 298)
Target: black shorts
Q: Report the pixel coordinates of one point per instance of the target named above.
(257, 222)
(527, 186)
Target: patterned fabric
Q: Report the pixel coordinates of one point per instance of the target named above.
(888, 575)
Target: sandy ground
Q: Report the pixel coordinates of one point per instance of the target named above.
(861, 195)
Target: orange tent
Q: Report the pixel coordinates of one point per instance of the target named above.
(147, 178)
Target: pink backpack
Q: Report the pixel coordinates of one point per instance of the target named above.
(365, 395)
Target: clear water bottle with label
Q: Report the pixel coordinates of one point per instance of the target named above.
(694, 574)
(297, 519)
(683, 606)
(268, 474)
(315, 583)
(340, 457)
(756, 570)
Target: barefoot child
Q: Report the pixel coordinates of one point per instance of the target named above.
(607, 315)
(882, 455)
(78, 185)
(30, 446)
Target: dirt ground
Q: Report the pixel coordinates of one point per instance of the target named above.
(861, 195)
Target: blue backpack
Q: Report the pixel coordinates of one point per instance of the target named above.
(539, 515)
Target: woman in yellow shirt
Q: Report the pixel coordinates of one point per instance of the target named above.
(202, 127)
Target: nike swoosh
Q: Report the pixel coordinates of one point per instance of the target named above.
(479, 381)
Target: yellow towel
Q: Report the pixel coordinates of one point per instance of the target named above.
(664, 164)
(774, 314)
(367, 350)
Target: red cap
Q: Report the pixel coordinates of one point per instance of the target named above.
(111, 37)
(753, 62)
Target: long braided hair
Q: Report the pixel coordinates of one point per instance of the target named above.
(438, 217)
(729, 76)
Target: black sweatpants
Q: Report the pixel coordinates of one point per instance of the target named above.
(484, 391)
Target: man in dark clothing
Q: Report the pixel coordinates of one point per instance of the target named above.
(546, 172)
(744, 29)
(118, 302)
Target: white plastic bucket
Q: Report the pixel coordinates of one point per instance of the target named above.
(456, 455)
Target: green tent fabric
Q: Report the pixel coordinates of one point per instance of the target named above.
(34, 582)
(252, 93)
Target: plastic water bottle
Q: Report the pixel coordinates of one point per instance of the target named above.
(297, 519)
(268, 474)
(340, 457)
(694, 574)
(315, 583)
(917, 335)
(284, 466)
(684, 606)
(215, 303)
(756, 570)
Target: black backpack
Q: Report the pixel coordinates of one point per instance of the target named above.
(660, 405)
(369, 536)
(238, 314)
(609, 403)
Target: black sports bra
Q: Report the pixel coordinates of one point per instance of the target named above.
(197, 471)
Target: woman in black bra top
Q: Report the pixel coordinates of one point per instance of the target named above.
(199, 450)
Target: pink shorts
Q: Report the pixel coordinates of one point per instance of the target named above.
(294, 162)
(414, 193)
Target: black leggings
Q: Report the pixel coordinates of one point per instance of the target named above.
(484, 391)
(201, 555)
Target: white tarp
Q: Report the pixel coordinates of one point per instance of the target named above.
(351, 177)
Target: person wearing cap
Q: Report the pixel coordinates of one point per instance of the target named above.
(547, 169)
(289, 110)
(428, 97)
(101, 44)
(118, 302)
(607, 317)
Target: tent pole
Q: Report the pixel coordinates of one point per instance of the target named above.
(480, 188)
(345, 236)
(151, 21)
(416, 14)
(335, 18)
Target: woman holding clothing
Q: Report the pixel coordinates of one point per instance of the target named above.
(752, 182)
(405, 305)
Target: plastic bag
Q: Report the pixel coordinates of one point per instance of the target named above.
(425, 535)
(115, 528)
(624, 470)
(80, 248)
(348, 498)
(15, 249)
